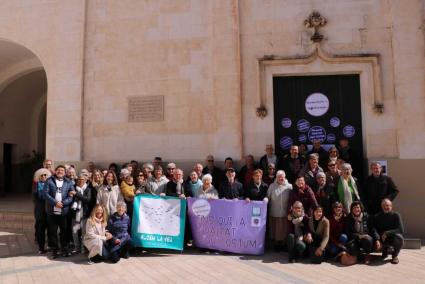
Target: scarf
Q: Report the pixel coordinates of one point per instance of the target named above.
(297, 221)
(358, 228)
(346, 193)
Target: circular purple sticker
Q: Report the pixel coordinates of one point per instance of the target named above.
(334, 122)
(317, 133)
(302, 138)
(303, 125)
(286, 122)
(285, 142)
(349, 131)
(331, 138)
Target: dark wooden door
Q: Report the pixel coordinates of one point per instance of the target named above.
(326, 108)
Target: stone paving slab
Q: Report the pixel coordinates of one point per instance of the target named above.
(19, 263)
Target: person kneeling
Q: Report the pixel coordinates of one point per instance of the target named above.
(388, 231)
(318, 236)
(119, 226)
(96, 235)
(297, 229)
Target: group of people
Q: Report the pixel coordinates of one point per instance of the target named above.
(311, 212)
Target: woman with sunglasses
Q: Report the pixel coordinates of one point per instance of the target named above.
(40, 177)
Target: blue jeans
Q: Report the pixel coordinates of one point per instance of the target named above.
(334, 249)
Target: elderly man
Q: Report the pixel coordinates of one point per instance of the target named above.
(171, 167)
(323, 154)
(176, 187)
(291, 163)
(246, 172)
(268, 158)
(325, 193)
(377, 187)
(214, 171)
(388, 231)
(231, 188)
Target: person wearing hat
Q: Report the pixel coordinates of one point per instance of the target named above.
(40, 216)
(231, 188)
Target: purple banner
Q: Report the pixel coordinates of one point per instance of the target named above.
(228, 225)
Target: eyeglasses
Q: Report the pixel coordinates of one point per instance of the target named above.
(44, 175)
(141, 175)
(171, 169)
(331, 165)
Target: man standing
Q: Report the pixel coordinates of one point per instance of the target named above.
(388, 231)
(268, 158)
(291, 164)
(176, 186)
(214, 171)
(231, 188)
(377, 187)
(56, 192)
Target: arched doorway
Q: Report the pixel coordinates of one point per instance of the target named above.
(23, 99)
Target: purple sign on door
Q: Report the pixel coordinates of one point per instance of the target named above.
(228, 225)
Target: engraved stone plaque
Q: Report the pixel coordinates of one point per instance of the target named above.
(146, 109)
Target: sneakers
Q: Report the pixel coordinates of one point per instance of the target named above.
(394, 260)
(90, 261)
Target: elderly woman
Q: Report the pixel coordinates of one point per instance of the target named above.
(318, 236)
(71, 173)
(311, 169)
(207, 190)
(297, 228)
(109, 194)
(278, 195)
(80, 211)
(348, 188)
(119, 227)
(40, 177)
(158, 182)
(96, 234)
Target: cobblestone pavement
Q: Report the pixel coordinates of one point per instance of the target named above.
(19, 263)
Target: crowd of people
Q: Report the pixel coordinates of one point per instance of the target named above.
(316, 208)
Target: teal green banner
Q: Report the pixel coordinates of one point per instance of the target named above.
(158, 222)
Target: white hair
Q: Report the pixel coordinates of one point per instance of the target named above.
(346, 166)
(207, 176)
(280, 172)
(40, 172)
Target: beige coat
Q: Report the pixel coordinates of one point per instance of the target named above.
(94, 238)
(109, 199)
(322, 230)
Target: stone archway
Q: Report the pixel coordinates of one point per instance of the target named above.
(23, 99)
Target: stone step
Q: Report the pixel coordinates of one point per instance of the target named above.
(17, 220)
(410, 243)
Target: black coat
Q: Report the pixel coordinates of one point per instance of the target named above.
(291, 166)
(256, 193)
(367, 226)
(231, 191)
(171, 189)
(375, 189)
(85, 199)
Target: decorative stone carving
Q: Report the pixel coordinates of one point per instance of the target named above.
(261, 112)
(315, 21)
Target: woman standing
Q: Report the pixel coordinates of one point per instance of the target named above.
(109, 194)
(278, 195)
(94, 186)
(40, 177)
(80, 211)
(207, 189)
(348, 189)
(128, 191)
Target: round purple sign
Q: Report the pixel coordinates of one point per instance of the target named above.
(285, 142)
(334, 122)
(286, 122)
(317, 133)
(330, 138)
(349, 131)
(302, 138)
(303, 125)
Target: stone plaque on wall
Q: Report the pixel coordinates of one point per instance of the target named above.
(146, 109)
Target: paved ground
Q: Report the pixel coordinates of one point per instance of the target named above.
(20, 264)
